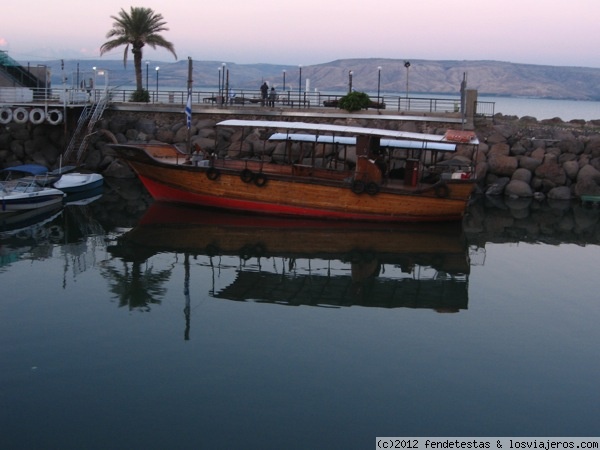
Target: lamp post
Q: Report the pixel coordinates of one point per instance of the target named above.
(283, 80)
(300, 85)
(378, 86)
(350, 73)
(222, 83)
(157, 69)
(219, 82)
(147, 63)
(407, 65)
(93, 83)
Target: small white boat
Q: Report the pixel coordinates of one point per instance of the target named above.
(22, 190)
(78, 182)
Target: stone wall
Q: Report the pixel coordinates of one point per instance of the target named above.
(525, 157)
(517, 158)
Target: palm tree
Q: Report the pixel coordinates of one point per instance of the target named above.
(137, 28)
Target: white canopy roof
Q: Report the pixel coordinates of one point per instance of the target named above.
(334, 129)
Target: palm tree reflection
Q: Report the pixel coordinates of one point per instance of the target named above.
(136, 285)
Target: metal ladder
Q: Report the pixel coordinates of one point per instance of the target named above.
(85, 128)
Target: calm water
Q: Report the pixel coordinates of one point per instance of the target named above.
(127, 327)
(540, 108)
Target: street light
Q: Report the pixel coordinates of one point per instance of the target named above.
(219, 82)
(222, 83)
(93, 82)
(300, 85)
(378, 86)
(407, 65)
(147, 63)
(157, 69)
(350, 81)
(283, 80)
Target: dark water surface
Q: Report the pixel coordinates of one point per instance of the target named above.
(122, 327)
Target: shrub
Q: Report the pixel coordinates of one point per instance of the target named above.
(140, 96)
(354, 101)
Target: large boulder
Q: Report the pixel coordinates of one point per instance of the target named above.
(588, 173)
(551, 172)
(571, 168)
(207, 145)
(119, 169)
(497, 187)
(118, 124)
(522, 175)
(538, 154)
(146, 126)
(502, 165)
(165, 135)
(518, 188)
(559, 193)
(529, 163)
(588, 181)
(593, 146)
(499, 149)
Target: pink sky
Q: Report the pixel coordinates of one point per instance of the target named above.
(558, 32)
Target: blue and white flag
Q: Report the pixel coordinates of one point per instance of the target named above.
(188, 109)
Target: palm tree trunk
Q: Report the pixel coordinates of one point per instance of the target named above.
(137, 64)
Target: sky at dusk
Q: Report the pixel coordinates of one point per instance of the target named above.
(307, 32)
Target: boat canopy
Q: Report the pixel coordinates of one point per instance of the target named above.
(31, 169)
(334, 129)
(348, 140)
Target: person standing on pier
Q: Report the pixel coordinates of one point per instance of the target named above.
(264, 91)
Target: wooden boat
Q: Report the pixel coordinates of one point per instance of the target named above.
(368, 264)
(337, 172)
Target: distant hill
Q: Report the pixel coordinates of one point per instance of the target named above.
(427, 77)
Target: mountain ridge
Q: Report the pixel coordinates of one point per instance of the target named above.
(488, 77)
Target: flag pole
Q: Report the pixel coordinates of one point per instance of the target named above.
(188, 108)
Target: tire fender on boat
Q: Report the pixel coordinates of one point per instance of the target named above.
(260, 179)
(37, 116)
(441, 190)
(20, 115)
(54, 117)
(6, 115)
(372, 188)
(212, 173)
(246, 175)
(358, 187)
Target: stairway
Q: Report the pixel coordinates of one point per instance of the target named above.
(85, 128)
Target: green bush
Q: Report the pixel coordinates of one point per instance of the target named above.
(354, 101)
(140, 96)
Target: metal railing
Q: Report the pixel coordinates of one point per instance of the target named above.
(244, 98)
(295, 99)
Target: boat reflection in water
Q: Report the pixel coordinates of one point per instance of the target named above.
(28, 222)
(308, 262)
(32, 234)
